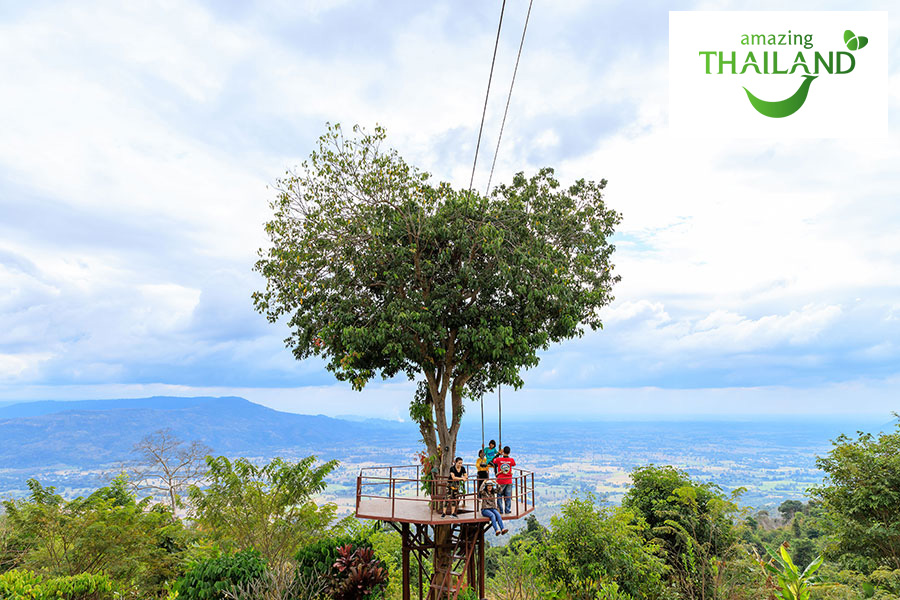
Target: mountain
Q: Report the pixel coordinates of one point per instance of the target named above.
(96, 432)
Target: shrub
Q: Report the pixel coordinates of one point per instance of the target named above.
(208, 579)
(26, 585)
(356, 574)
(20, 585)
(320, 556)
(283, 582)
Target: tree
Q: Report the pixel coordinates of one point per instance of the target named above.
(108, 531)
(268, 508)
(379, 271)
(694, 522)
(167, 465)
(588, 547)
(860, 495)
(789, 508)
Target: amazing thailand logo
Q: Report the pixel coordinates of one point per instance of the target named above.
(811, 65)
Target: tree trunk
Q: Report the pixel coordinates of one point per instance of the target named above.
(445, 435)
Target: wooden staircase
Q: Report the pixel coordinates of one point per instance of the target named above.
(447, 582)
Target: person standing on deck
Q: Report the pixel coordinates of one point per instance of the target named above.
(490, 453)
(456, 488)
(481, 467)
(505, 464)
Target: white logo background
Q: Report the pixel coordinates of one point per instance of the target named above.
(853, 105)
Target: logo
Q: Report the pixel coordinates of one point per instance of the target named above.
(778, 74)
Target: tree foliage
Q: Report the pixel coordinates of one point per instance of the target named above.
(382, 272)
(861, 493)
(269, 508)
(588, 546)
(107, 532)
(694, 523)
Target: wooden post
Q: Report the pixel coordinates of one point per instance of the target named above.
(405, 541)
(481, 562)
(471, 574)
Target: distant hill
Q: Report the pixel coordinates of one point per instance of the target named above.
(96, 432)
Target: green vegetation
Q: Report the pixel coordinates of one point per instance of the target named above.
(267, 508)
(108, 532)
(26, 585)
(862, 495)
(587, 546)
(208, 578)
(256, 532)
(793, 584)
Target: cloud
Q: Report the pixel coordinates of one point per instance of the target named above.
(139, 141)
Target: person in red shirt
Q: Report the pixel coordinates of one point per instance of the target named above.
(504, 464)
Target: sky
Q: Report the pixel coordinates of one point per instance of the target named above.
(139, 141)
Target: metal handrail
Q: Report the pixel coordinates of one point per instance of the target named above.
(519, 480)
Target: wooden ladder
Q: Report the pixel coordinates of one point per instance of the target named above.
(447, 583)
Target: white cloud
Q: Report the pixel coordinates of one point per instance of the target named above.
(138, 141)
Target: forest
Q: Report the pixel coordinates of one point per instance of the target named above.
(180, 524)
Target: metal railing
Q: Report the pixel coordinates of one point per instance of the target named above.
(406, 483)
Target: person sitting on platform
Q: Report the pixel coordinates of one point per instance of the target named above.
(482, 467)
(458, 478)
(504, 465)
(488, 496)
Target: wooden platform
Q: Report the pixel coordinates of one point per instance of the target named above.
(417, 510)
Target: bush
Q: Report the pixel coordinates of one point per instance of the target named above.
(208, 579)
(280, 583)
(357, 574)
(20, 585)
(26, 585)
(321, 555)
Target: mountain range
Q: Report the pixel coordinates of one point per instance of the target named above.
(96, 432)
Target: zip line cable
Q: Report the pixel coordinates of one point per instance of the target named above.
(487, 94)
(508, 98)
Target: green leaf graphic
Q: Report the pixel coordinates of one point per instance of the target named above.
(786, 107)
(855, 42)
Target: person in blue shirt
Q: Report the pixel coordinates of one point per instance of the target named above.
(490, 453)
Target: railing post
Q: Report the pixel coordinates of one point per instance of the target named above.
(358, 490)
(525, 489)
(532, 490)
(393, 497)
(517, 497)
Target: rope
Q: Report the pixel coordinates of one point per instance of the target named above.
(486, 94)
(499, 419)
(482, 421)
(508, 98)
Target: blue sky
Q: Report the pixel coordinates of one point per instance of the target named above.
(138, 141)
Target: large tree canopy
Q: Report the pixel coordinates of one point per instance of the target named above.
(381, 272)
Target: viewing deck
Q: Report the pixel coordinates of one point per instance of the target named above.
(395, 494)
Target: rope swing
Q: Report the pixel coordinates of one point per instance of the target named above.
(491, 176)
